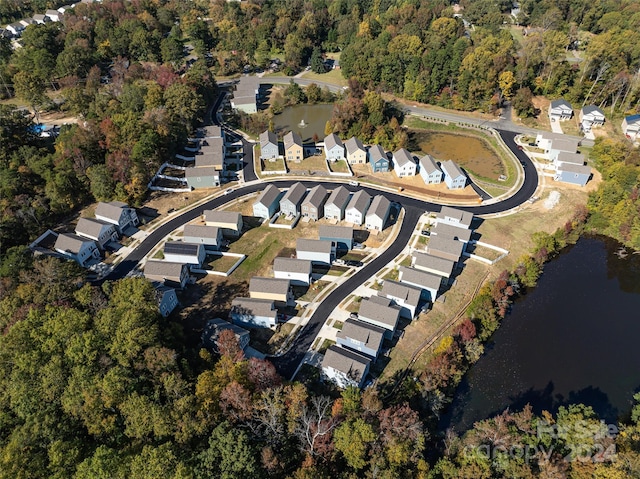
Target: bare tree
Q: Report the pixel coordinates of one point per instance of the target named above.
(315, 425)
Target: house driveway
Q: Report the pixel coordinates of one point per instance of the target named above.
(555, 126)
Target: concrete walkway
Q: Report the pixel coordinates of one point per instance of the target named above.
(556, 127)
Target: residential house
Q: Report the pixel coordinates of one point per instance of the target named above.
(215, 326)
(432, 264)
(403, 163)
(454, 217)
(566, 145)
(574, 174)
(564, 158)
(245, 100)
(202, 177)
(362, 337)
(99, 231)
(230, 221)
(212, 154)
(453, 232)
(430, 171)
(316, 251)
(118, 214)
(63, 9)
(292, 199)
(356, 152)
(192, 254)
(630, 125)
(427, 282)
(406, 296)
(212, 131)
(165, 297)
(378, 213)
(254, 313)
(546, 138)
(209, 236)
(446, 248)
(268, 202)
(79, 249)
(380, 312)
(16, 29)
(170, 274)
(26, 22)
(54, 15)
(269, 149)
(313, 205)
(333, 147)
(344, 367)
(293, 150)
(335, 206)
(342, 236)
(560, 110)
(454, 178)
(357, 208)
(298, 271)
(378, 159)
(591, 116)
(274, 289)
(40, 19)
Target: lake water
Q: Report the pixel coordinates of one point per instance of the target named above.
(315, 118)
(572, 339)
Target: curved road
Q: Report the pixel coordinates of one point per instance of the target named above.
(414, 208)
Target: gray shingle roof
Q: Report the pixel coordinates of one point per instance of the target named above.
(111, 210)
(332, 140)
(372, 309)
(268, 137)
(292, 265)
(573, 158)
(369, 334)
(295, 194)
(565, 144)
(579, 169)
(407, 293)
(199, 231)
(379, 207)
(353, 144)
(352, 364)
(339, 197)
(445, 245)
(256, 307)
(449, 231)
(91, 227)
(201, 171)
(70, 242)
(586, 110)
(403, 157)
(269, 285)
(420, 278)
(228, 217)
(463, 217)
(330, 231)
(451, 169)
(376, 153)
(268, 196)
(561, 103)
(428, 164)
(312, 245)
(425, 260)
(360, 201)
(316, 196)
(290, 139)
(212, 131)
(164, 269)
(210, 157)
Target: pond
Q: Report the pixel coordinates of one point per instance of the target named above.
(315, 118)
(572, 339)
(472, 153)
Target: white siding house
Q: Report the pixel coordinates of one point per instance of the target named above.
(99, 231)
(209, 236)
(79, 249)
(316, 251)
(357, 208)
(362, 337)
(269, 149)
(430, 171)
(432, 264)
(380, 312)
(291, 201)
(590, 117)
(229, 221)
(333, 148)
(453, 175)
(631, 127)
(560, 110)
(335, 206)
(378, 213)
(427, 282)
(406, 296)
(403, 163)
(454, 217)
(268, 202)
(298, 271)
(344, 367)
(187, 253)
(253, 313)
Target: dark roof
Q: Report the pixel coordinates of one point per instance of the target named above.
(269, 285)
(332, 140)
(313, 245)
(379, 207)
(179, 247)
(295, 194)
(420, 278)
(316, 196)
(339, 197)
(292, 265)
(360, 201)
(290, 139)
(352, 364)
(369, 334)
(267, 137)
(268, 196)
(91, 227)
(330, 231)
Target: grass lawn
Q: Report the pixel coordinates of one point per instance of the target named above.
(337, 270)
(339, 166)
(406, 261)
(422, 239)
(353, 256)
(353, 305)
(334, 77)
(159, 254)
(338, 325)
(220, 263)
(392, 275)
(313, 163)
(277, 165)
(325, 345)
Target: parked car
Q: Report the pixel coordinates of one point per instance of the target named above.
(339, 262)
(358, 246)
(425, 232)
(355, 263)
(353, 316)
(354, 183)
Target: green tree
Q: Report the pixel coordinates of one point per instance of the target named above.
(317, 63)
(229, 456)
(353, 439)
(31, 89)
